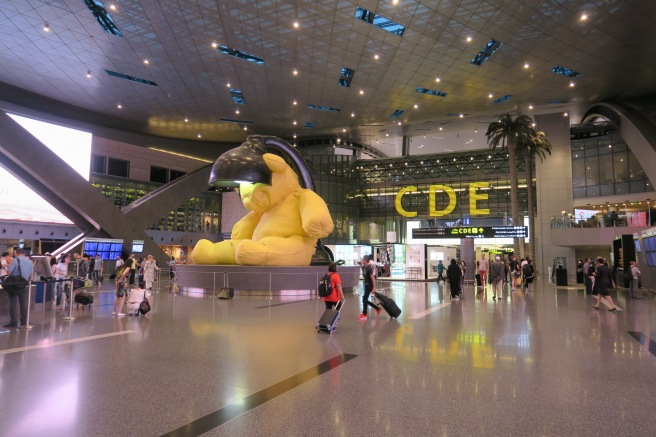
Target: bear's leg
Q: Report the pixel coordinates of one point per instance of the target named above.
(207, 252)
(276, 251)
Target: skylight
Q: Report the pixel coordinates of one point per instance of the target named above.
(396, 113)
(431, 92)
(102, 17)
(241, 55)
(564, 71)
(346, 76)
(379, 21)
(132, 78)
(502, 99)
(489, 49)
(309, 124)
(237, 97)
(323, 108)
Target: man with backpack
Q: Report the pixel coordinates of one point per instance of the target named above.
(527, 272)
(330, 288)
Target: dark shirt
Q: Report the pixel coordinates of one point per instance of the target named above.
(453, 272)
(369, 271)
(604, 279)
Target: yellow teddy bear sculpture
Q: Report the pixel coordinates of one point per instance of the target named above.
(281, 229)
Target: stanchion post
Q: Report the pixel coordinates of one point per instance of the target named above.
(29, 301)
(70, 302)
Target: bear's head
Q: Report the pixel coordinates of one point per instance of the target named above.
(262, 197)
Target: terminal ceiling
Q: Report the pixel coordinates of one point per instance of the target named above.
(55, 57)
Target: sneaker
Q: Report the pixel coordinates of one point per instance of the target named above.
(121, 314)
(362, 317)
(378, 310)
(113, 313)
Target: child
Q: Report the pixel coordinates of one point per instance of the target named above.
(120, 296)
(136, 297)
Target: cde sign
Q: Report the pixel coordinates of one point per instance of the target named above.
(435, 190)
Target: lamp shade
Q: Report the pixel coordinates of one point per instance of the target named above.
(241, 164)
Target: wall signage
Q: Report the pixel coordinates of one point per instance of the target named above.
(472, 232)
(440, 189)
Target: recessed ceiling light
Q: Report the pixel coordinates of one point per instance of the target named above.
(533, 124)
(437, 79)
(89, 74)
(565, 114)
(186, 120)
(387, 135)
(571, 84)
(236, 111)
(526, 65)
(469, 38)
(146, 61)
(214, 45)
(361, 92)
(352, 114)
(294, 135)
(295, 24)
(461, 115)
(395, 2)
(228, 84)
(295, 72)
(46, 27)
(440, 128)
(416, 106)
(376, 56)
(489, 96)
(584, 17)
(294, 122)
(245, 127)
(295, 102)
(112, 7)
(530, 106)
(400, 123)
(199, 135)
(343, 130)
(119, 106)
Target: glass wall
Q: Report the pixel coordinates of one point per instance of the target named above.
(604, 166)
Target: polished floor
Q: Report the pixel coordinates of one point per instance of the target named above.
(543, 363)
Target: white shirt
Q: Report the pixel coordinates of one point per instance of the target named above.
(482, 265)
(137, 295)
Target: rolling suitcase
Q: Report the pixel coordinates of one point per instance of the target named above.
(330, 318)
(389, 305)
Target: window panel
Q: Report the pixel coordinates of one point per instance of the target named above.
(98, 164)
(592, 171)
(118, 167)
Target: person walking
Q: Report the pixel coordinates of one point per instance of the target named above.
(440, 271)
(497, 273)
(149, 268)
(454, 275)
(336, 281)
(369, 286)
(97, 269)
(482, 270)
(516, 277)
(60, 270)
(603, 282)
(22, 266)
(634, 287)
(528, 271)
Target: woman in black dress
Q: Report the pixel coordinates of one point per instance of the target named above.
(603, 282)
(453, 274)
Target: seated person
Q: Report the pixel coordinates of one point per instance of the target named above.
(136, 297)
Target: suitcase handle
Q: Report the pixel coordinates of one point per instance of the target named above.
(339, 306)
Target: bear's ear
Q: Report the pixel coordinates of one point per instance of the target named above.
(275, 163)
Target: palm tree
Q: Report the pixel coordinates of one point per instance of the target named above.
(540, 146)
(507, 134)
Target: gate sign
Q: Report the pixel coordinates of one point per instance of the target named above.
(472, 232)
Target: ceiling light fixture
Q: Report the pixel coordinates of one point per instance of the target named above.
(461, 115)
(441, 129)
(119, 106)
(530, 106)
(469, 38)
(295, 72)
(146, 61)
(186, 120)
(571, 84)
(112, 7)
(395, 2)
(416, 106)
(584, 17)
(295, 24)
(361, 92)
(489, 96)
(565, 114)
(89, 74)
(46, 27)
(199, 135)
(376, 57)
(400, 123)
(387, 135)
(294, 122)
(343, 130)
(295, 102)
(228, 84)
(214, 45)
(352, 114)
(437, 79)
(526, 65)
(245, 127)
(236, 111)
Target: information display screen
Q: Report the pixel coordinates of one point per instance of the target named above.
(472, 232)
(107, 249)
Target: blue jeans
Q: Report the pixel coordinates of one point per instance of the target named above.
(59, 287)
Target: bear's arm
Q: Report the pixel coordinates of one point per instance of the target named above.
(244, 228)
(315, 217)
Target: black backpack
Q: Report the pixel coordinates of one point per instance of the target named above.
(527, 270)
(325, 286)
